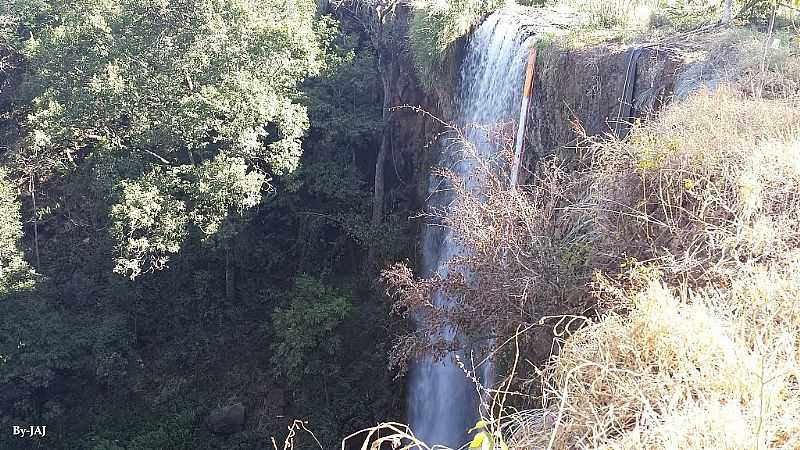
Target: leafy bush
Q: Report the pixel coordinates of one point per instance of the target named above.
(14, 271)
(437, 24)
(148, 223)
(305, 329)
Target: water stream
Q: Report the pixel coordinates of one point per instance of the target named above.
(443, 402)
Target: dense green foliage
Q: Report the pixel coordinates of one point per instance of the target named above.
(305, 327)
(196, 99)
(226, 150)
(14, 271)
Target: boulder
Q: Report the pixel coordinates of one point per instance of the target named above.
(226, 420)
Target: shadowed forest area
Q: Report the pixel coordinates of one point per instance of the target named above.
(186, 197)
(211, 215)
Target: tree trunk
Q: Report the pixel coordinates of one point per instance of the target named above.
(387, 68)
(767, 45)
(32, 188)
(230, 286)
(379, 191)
(388, 72)
(727, 12)
(378, 197)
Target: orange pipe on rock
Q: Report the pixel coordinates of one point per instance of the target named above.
(523, 114)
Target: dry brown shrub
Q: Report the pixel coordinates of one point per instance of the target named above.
(701, 209)
(709, 185)
(714, 370)
(526, 254)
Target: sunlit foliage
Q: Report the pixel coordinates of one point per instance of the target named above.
(203, 93)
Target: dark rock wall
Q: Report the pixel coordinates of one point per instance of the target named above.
(580, 91)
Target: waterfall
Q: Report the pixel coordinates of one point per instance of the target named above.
(443, 402)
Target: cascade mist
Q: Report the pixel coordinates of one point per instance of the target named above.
(443, 402)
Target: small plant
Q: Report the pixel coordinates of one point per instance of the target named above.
(437, 24)
(527, 247)
(616, 13)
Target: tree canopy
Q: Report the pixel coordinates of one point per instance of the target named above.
(184, 108)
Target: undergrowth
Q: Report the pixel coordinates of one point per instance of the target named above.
(699, 345)
(684, 238)
(435, 25)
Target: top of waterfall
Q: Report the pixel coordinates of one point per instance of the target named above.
(543, 19)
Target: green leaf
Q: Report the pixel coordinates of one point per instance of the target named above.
(477, 441)
(478, 425)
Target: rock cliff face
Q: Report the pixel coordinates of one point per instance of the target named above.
(578, 92)
(596, 90)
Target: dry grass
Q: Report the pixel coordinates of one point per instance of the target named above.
(691, 226)
(699, 213)
(616, 13)
(294, 430)
(711, 370)
(710, 185)
(702, 350)
(742, 59)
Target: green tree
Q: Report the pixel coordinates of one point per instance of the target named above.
(32, 339)
(305, 337)
(202, 93)
(15, 273)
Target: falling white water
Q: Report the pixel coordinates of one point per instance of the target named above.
(443, 402)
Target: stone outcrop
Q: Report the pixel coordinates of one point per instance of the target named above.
(226, 420)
